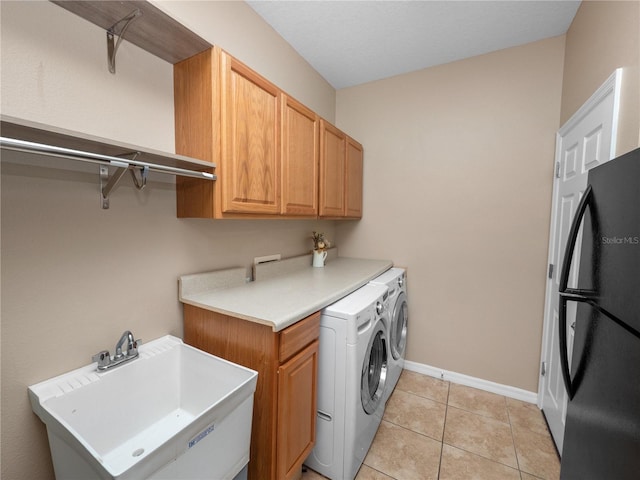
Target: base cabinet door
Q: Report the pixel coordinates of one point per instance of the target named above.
(297, 381)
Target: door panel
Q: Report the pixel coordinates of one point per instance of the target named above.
(584, 142)
(555, 396)
(251, 118)
(297, 380)
(300, 154)
(332, 172)
(353, 180)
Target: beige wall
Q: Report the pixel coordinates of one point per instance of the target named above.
(239, 30)
(458, 176)
(75, 276)
(605, 36)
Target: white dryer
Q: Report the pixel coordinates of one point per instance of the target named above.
(352, 371)
(398, 316)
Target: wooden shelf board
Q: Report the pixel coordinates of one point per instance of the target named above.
(20, 129)
(154, 31)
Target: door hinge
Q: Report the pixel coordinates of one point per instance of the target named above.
(557, 169)
(543, 369)
(551, 270)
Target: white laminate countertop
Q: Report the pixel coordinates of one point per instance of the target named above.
(283, 300)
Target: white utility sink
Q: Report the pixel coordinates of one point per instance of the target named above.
(174, 412)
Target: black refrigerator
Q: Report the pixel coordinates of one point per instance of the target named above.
(602, 433)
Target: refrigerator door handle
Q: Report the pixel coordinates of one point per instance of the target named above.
(567, 294)
(571, 239)
(564, 352)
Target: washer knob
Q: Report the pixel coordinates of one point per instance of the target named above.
(400, 281)
(379, 308)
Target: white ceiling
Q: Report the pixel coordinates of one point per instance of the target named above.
(354, 42)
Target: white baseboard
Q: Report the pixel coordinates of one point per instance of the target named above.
(506, 390)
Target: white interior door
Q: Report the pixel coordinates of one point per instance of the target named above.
(584, 142)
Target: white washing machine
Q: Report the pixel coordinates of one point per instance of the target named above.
(398, 316)
(352, 372)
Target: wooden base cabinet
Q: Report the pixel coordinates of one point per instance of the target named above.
(284, 410)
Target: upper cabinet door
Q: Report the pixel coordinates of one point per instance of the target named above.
(300, 154)
(353, 181)
(332, 170)
(250, 150)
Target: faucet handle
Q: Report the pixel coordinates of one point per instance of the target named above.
(103, 358)
(132, 349)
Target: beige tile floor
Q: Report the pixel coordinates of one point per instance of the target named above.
(438, 430)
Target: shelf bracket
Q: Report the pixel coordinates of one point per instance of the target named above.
(112, 48)
(144, 173)
(108, 184)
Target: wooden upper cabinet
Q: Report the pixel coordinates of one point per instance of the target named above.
(274, 157)
(300, 156)
(250, 164)
(353, 179)
(229, 115)
(333, 144)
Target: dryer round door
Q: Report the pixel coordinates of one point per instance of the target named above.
(374, 369)
(398, 326)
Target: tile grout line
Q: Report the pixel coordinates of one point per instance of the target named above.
(513, 437)
(444, 426)
(413, 431)
(479, 414)
(483, 457)
(421, 396)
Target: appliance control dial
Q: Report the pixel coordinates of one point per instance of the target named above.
(379, 308)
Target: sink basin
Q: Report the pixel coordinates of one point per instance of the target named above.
(174, 412)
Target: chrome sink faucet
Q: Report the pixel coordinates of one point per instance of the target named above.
(106, 361)
(132, 347)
